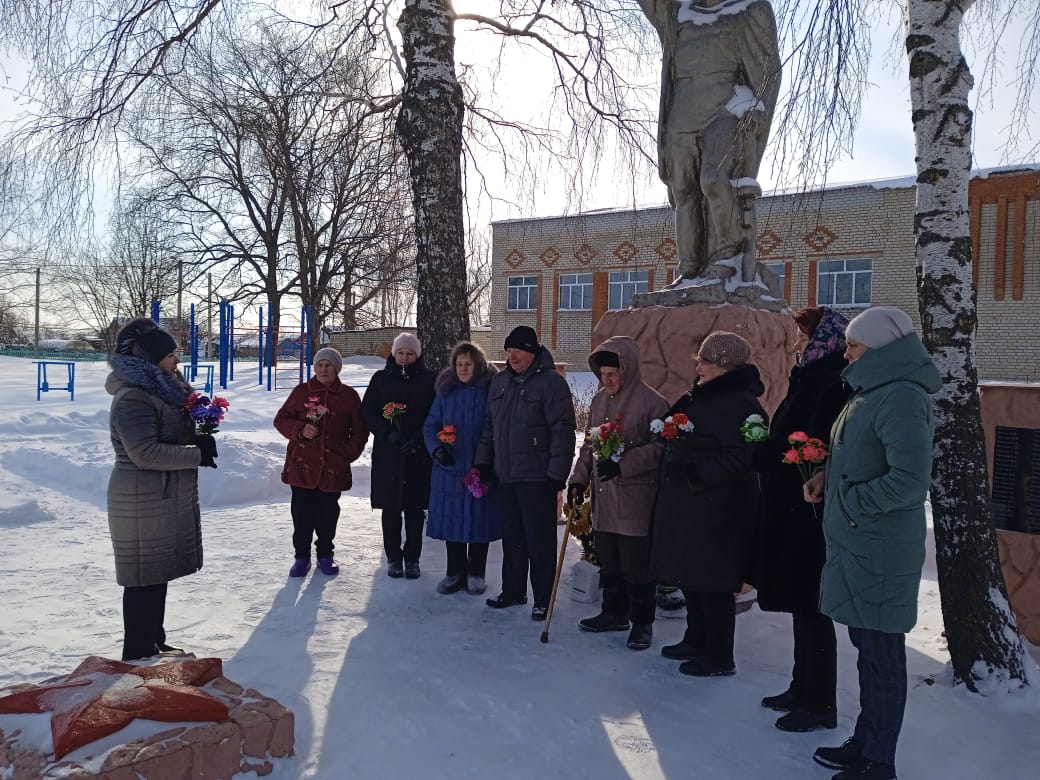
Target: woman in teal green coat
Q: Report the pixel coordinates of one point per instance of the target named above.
(875, 483)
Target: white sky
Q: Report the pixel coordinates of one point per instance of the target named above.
(387, 678)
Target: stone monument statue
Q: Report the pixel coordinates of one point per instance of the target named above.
(719, 86)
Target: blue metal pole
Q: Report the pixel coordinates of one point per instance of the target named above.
(231, 337)
(271, 346)
(155, 311)
(223, 344)
(260, 348)
(193, 344)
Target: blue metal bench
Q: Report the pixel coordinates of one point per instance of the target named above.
(44, 386)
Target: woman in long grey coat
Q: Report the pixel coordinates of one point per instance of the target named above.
(153, 497)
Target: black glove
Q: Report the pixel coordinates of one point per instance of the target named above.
(208, 447)
(608, 469)
(410, 447)
(557, 485)
(393, 436)
(575, 494)
(487, 473)
(443, 456)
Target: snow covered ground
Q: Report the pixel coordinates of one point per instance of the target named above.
(389, 679)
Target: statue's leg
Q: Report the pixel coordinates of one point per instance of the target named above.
(688, 202)
(720, 169)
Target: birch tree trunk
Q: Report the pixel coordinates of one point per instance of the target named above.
(429, 126)
(983, 640)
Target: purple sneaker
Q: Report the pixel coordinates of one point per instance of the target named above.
(300, 568)
(328, 566)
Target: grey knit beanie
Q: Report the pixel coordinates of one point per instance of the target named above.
(725, 349)
(331, 355)
(879, 326)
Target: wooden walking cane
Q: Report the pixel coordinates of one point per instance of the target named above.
(556, 582)
(571, 512)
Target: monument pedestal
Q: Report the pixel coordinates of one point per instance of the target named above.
(669, 336)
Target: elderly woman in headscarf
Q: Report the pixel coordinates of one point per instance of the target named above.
(791, 550)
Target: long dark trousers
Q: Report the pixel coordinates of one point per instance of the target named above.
(710, 623)
(814, 679)
(882, 691)
(144, 611)
(528, 511)
(462, 561)
(414, 519)
(315, 513)
(624, 575)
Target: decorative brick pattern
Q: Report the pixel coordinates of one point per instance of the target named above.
(768, 242)
(667, 250)
(625, 251)
(585, 255)
(820, 238)
(515, 259)
(550, 257)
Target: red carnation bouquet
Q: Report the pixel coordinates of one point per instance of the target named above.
(446, 435)
(608, 440)
(671, 426)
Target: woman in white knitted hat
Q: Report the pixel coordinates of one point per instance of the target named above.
(875, 483)
(398, 398)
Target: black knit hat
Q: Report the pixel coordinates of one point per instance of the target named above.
(523, 337)
(142, 338)
(605, 358)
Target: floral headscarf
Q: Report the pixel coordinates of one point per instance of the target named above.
(827, 337)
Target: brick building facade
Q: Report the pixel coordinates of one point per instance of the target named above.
(848, 246)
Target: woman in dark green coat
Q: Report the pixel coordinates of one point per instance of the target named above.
(875, 484)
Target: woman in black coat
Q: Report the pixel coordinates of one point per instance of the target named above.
(791, 548)
(400, 463)
(706, 511)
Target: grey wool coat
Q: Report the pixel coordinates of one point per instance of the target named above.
(153, 496)
(625, 504)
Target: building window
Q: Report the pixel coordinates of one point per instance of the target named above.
(625, 284)
(780, 269)
(522, 293)
(575, 292)
(843, 282)
(1016, 479)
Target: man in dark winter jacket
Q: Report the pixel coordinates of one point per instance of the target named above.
(526, 448)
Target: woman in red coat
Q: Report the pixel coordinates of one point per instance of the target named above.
(321, 419)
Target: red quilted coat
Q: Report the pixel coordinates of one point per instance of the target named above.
(324, 461)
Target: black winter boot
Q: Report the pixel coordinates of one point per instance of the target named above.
(604, 621)
(641, 636)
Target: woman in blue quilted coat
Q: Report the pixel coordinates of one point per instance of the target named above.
(467, 524)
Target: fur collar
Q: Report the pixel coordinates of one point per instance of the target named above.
(131, 371)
